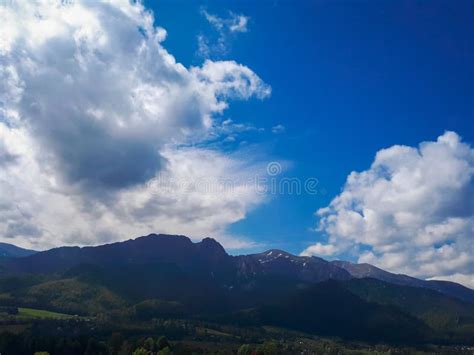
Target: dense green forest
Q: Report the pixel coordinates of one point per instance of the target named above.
(56, 334)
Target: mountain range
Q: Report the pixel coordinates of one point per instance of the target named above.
(209, 257)
(170, 276)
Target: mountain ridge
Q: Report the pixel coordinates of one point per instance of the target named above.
(8, 250)
(209, 256)
(366, 270)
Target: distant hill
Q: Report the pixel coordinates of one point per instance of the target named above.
(439, 312)
(369, 271)
(12, 251)
(170, 276)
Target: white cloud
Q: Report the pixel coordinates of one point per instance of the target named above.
(93, 108)
(411, 212)
(233, 23)
(227, 28)
(239, 23)
(279, 128)
(199, 193)
(319, 249)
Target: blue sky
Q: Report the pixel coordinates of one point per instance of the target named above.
(348, 78)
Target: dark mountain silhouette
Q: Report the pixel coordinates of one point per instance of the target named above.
(209, 260)
(178, 250)
(12, 251)
(207, 257)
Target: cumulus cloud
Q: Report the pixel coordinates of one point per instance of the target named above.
(199, 193)
(411, 212)
(319, 249)
(93, 108)
(226, 28)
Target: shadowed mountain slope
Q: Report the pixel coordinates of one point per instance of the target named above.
(12, 251)
(369, 271)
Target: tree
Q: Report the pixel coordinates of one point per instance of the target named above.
(162, 343)
(245, 349)
(149, 344)
(164, 351)
(95, 347)
(115, 342)
(126, 348)
(267, 348)
(140, 351)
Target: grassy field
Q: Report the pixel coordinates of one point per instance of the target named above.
(39, 313)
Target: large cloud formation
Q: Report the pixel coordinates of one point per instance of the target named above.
(93, 108)
(411, 212)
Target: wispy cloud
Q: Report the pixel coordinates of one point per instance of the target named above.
(232, 23)
(226, 28)
(279, 128)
